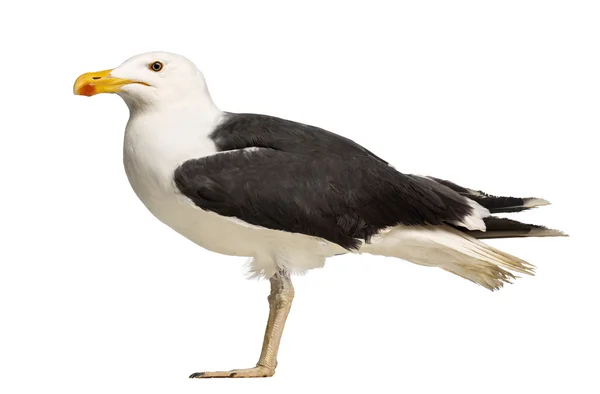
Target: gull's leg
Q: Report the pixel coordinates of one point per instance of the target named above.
(280, 302)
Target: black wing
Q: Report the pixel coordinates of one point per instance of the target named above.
(341, 198)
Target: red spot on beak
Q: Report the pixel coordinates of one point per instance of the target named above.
(87, 90)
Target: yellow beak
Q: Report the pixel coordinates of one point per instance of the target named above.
(89, 84)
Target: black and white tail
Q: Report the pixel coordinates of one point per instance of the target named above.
(457, 248)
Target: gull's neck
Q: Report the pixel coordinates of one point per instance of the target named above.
(160, 137)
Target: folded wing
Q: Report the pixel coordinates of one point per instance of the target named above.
(345, 200)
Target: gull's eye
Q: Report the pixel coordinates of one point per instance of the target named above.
(156, 66)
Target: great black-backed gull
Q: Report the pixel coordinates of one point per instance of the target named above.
(290, 195)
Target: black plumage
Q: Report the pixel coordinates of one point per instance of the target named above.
(239, 131)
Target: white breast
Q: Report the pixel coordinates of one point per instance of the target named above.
(157, 143)
(155, 146)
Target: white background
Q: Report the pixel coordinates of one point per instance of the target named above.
(97, 296)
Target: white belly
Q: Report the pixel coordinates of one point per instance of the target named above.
(270, 249)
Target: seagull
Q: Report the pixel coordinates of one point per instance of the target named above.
(289, 195)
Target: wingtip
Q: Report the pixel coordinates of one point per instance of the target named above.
(547, 232)
(535, 202)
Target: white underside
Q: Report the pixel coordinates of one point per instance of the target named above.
(270, 249)
(151, 156)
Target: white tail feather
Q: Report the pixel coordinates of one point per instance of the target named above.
(451, 250)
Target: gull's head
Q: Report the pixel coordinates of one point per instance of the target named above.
(147, 80)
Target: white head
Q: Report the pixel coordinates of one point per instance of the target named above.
(149, 82)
